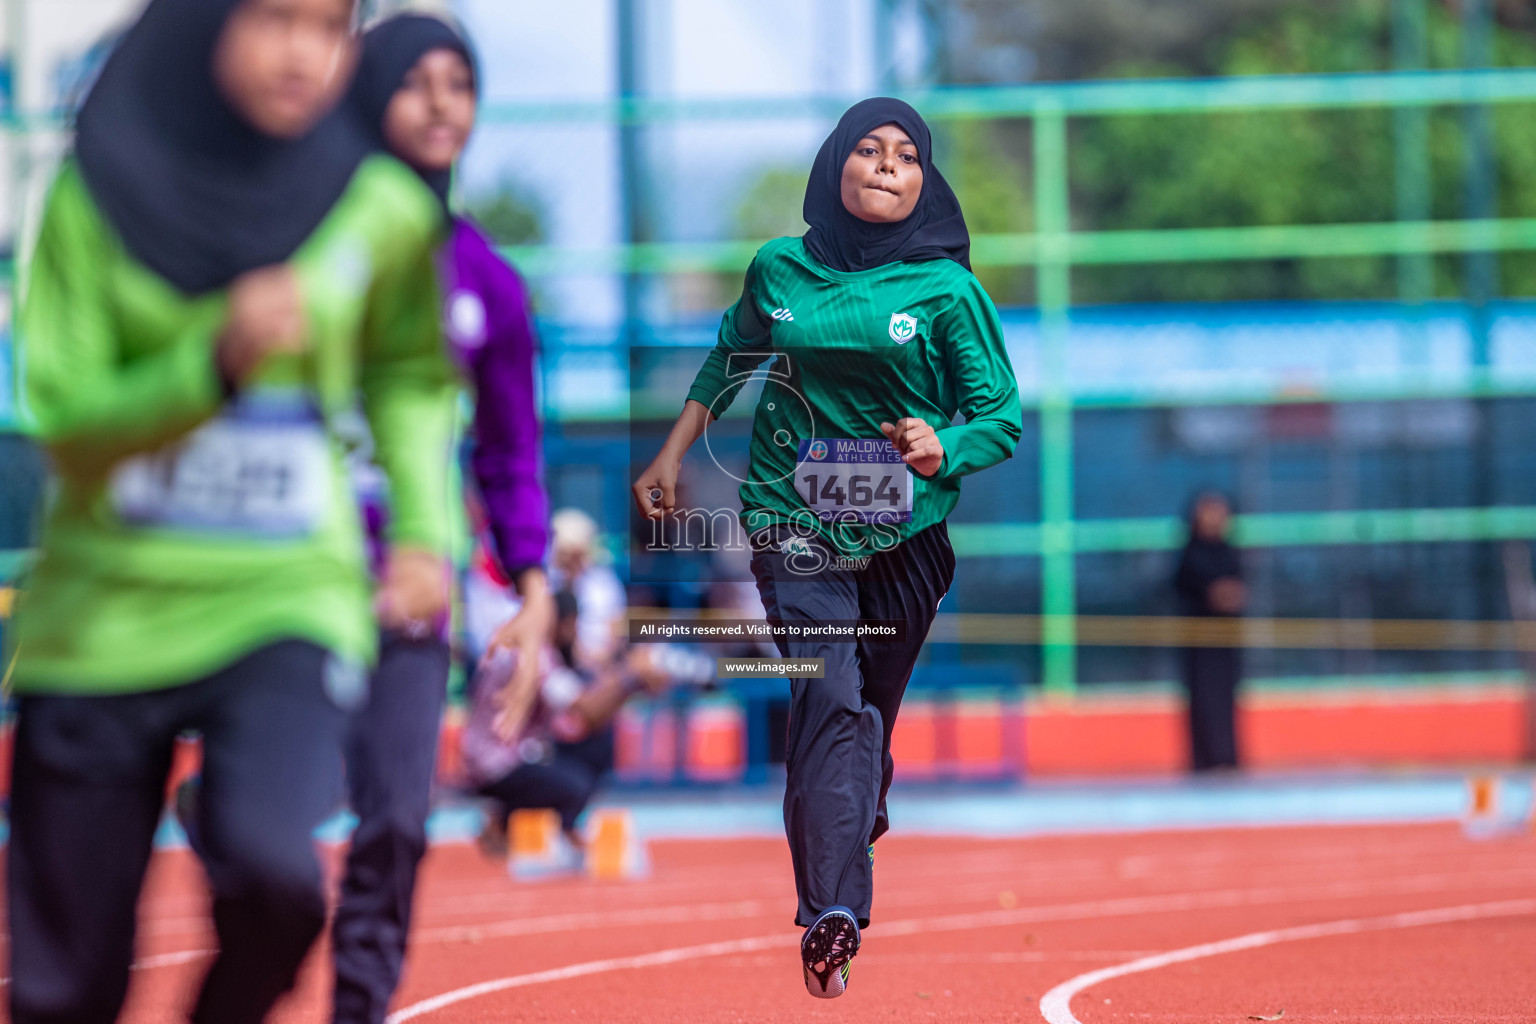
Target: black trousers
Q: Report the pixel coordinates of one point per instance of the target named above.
(564, 783)
(839, 746)
(391, 761)
(88, 791)
(1211, 676)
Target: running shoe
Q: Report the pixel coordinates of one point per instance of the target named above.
(827, 951)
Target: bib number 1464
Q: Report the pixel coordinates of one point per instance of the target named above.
(854, 480)
(834, 494)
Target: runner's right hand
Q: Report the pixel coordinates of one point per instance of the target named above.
(660, 475)
(266, 316)
(526, 633)
(515, 703)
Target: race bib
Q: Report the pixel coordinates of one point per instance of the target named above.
(262, 468)
(856, 481)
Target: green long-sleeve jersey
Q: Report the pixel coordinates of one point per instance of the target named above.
(851, 351)
(185, 530)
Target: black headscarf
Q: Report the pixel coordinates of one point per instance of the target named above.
(390, 49)
(195, 192)
(935, 230)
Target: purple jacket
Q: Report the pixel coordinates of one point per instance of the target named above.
(488, 320)
(488, 323)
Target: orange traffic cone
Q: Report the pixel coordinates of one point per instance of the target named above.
(538, 849)
(614, 850)
(1498, 806)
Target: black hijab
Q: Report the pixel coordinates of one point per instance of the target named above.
(390, 49)
(934, 231)
(195, 192)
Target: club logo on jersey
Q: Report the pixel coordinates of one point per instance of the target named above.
(795, 546)
(466, 319)
(817, 451)
(783, 315)
(903, 328)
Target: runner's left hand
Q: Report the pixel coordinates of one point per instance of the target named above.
(413, 595)
(917, 443)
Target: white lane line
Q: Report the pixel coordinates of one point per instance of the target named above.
(1065, 956)
(493, 892)
(494, 897)
(688, 913)
(1088, 909)
(1055, 1005)
(497, 898)
(623, 963)
(599, 919)
(150, 963)
(748, 909)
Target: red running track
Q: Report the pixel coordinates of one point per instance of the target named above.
(966, 931)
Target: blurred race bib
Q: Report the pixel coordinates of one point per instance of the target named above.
(854, 480)
(262, 468)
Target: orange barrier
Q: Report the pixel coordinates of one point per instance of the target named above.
(1128, 735)
(971, 739)
(1087, 735)
(714, 744)
(1301, 729)
(1094, 737)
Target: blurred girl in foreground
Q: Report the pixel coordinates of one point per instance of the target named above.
(416, 95)
(221, 269)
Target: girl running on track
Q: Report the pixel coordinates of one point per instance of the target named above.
(221, 268)
(880, 335)
(417, 92)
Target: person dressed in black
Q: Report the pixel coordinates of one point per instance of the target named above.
(1209, 583)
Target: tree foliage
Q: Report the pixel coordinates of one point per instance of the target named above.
(1227, 169)
(509, 215)
(771, 207)
(1291, 167)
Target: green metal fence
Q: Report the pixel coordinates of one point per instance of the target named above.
(1053, 249)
